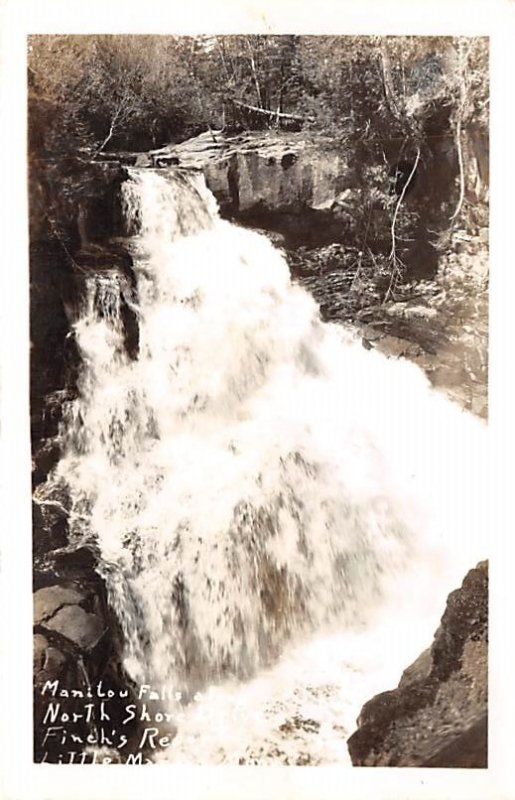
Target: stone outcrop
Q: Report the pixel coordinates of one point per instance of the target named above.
(315, 189)
(280, 173)
(76, 649)
(297, 183)
(437, 716)
(75, 216)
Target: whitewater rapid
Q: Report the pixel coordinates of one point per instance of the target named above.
(280, 513)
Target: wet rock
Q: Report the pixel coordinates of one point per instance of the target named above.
(71, 566)
(143, 160)
(50, 527)
(438, 714)
(298, 723)
(83, 629)
(77, 647)
(420, 669)
(49, 328)
(166, 161)
(49, 662)
(274, 178)
(71, 611)
(82, 559)
(46, 456)
(51, 598)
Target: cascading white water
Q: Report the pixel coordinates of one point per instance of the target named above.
(255, 479)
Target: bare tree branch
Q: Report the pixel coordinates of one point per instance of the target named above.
(401, 198)
(462, 172)
(271, 114)
(254, 72)
(393, 254)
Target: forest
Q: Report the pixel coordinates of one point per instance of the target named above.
(138, 92)
(403, 109)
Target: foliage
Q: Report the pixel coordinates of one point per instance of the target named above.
(349, 284)
(445, 319)
(93, 93)
(143, 90)
(89, 90)
(442, 322)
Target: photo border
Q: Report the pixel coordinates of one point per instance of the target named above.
(21, 778)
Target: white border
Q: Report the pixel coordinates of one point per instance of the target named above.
(21, 778)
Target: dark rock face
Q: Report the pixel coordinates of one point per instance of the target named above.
(76, 650)
(50, 527)
(75, 211)
(313, 189)
(437, 716)
(293, 183)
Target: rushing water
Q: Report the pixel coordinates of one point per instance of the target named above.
(280, 513)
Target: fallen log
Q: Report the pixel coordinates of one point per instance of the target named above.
(271, 114)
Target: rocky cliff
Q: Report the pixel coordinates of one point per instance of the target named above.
(315, 189)
(305, 189)
(437, 716)
(75, 214)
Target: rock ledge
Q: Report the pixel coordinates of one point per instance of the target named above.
(437, 716)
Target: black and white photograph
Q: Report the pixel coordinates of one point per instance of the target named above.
(258, 309)
(259, 280)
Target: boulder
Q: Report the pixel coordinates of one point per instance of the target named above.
(273, 177)
(77, 649)
(49, 600)
(50, 527)
(71, 612)
(49, 662)
(83, 629)
(437, 716)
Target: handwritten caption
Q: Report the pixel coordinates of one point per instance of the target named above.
(101, 725)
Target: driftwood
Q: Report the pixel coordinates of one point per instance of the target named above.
(259, 118)
(270, 114)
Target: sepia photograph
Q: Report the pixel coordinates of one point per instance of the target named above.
(259, 361)
(256, 434)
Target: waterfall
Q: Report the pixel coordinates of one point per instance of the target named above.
(255, 478)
